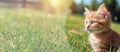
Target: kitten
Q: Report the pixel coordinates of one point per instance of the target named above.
(102, 38)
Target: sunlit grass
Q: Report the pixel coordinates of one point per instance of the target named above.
(116, 27)
(32, 31)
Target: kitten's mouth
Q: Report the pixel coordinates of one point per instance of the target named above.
(93, 29)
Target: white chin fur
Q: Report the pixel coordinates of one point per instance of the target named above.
(96, 32)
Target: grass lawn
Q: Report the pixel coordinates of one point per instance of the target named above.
(77, 36)
(33, 31)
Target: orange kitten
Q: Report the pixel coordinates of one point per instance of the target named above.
(102, 38)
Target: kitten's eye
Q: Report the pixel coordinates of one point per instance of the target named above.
(86, 22)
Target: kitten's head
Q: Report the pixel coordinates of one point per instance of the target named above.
(97, 21)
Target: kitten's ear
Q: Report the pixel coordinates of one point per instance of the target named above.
(86, 11)
(102, 10)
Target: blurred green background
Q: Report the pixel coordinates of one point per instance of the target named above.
(49, 25)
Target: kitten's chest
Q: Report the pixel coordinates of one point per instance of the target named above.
(94, 39)
(96, 42)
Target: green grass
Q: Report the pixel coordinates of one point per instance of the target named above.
(33, 31)
(77, 36)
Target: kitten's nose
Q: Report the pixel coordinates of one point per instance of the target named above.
(88, 27)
